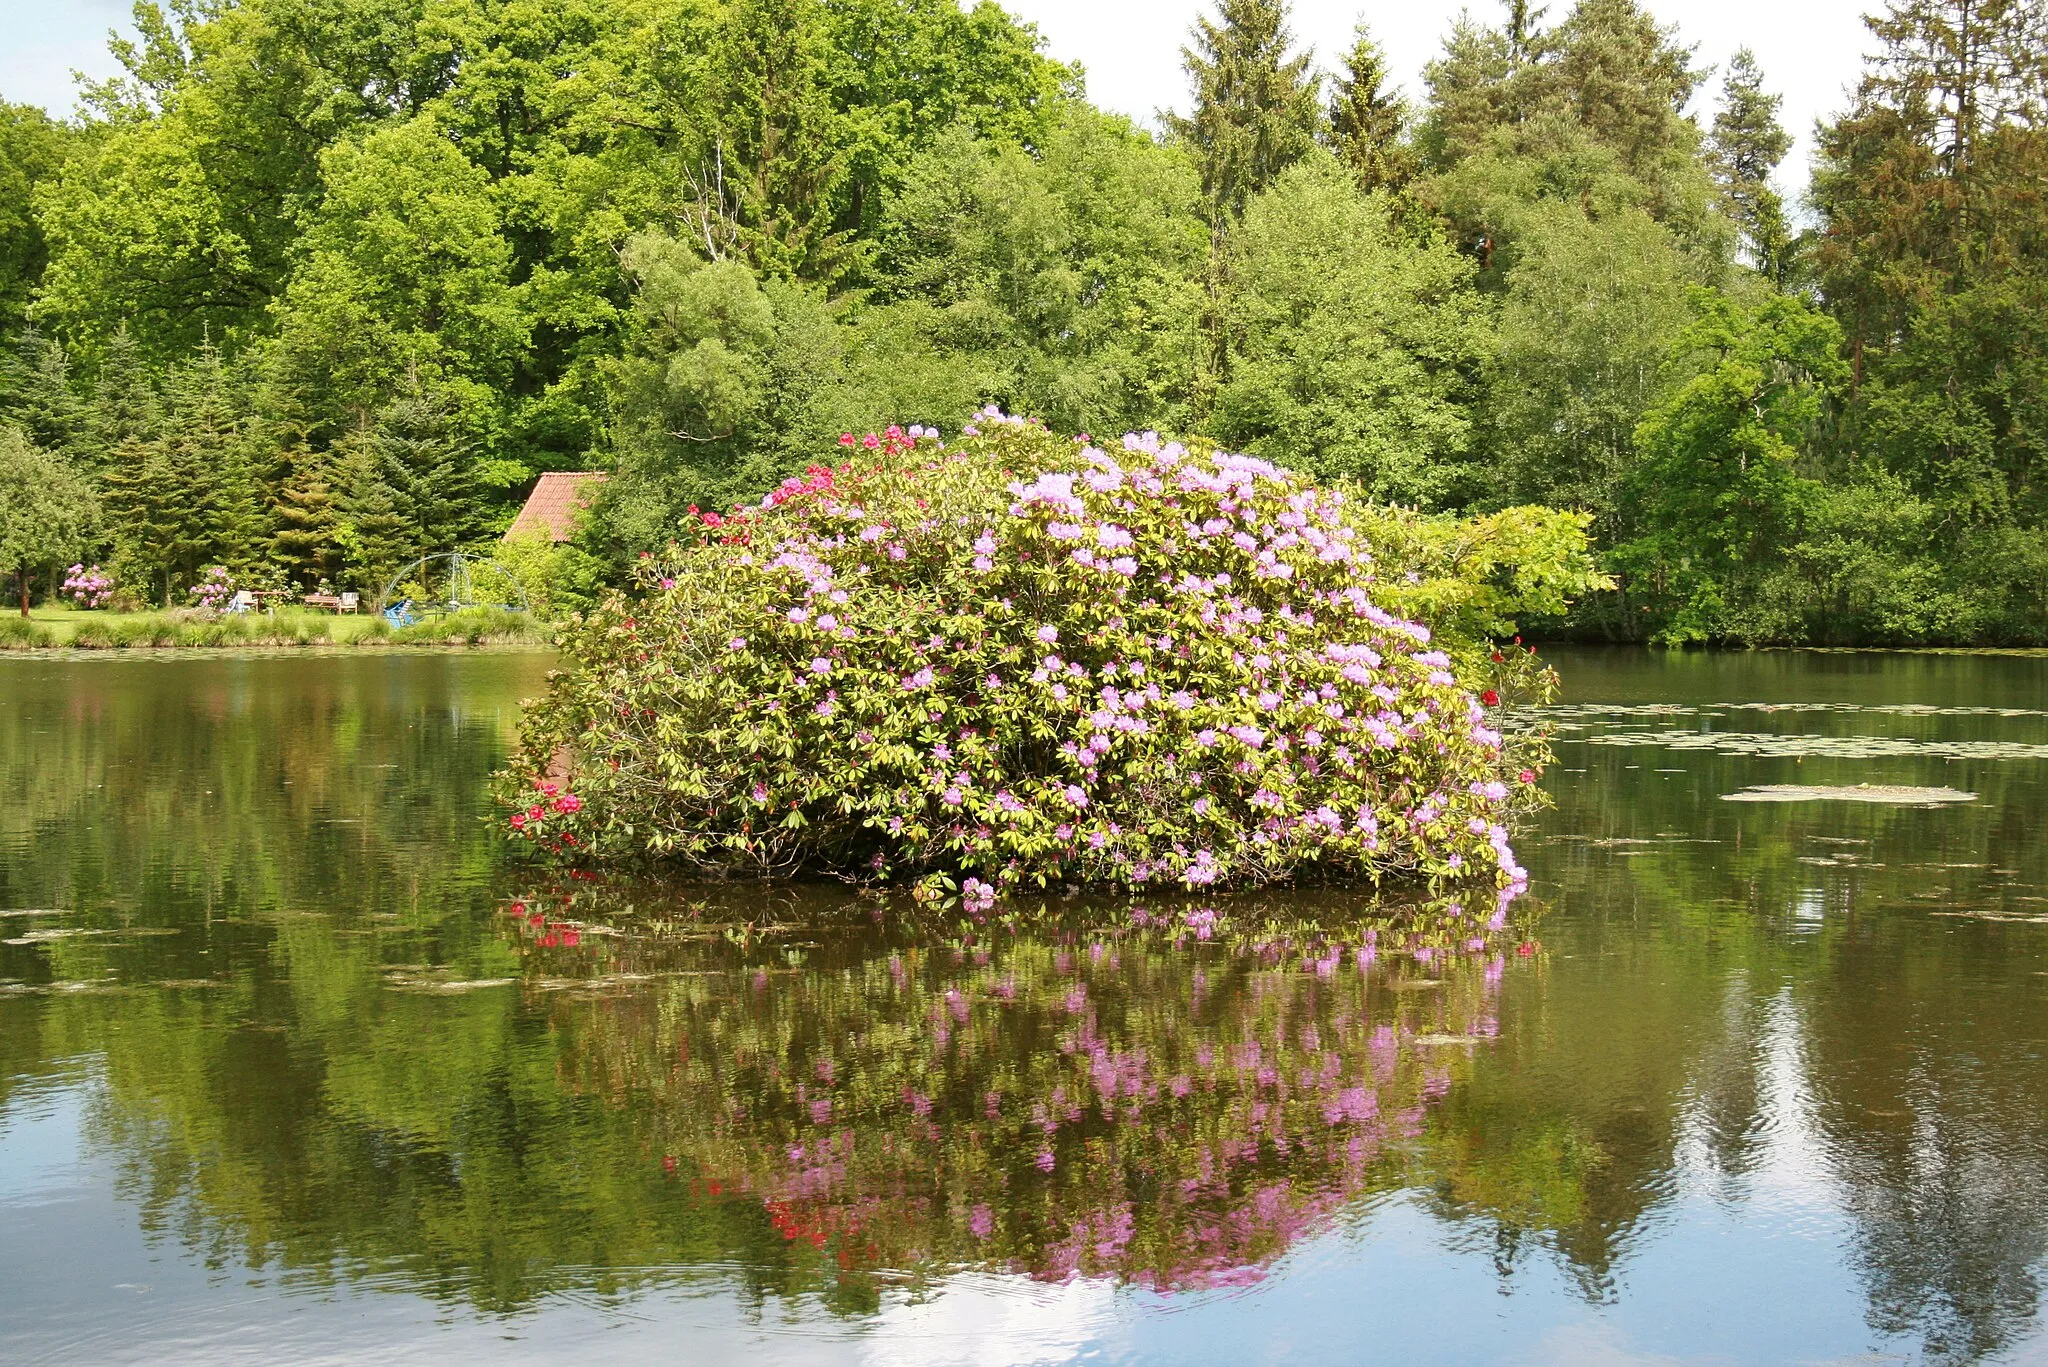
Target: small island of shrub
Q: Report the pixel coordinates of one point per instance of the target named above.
(1016, 659)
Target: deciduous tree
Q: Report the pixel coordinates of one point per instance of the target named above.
(47, 509)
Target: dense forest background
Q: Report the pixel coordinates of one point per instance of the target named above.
(319, 286)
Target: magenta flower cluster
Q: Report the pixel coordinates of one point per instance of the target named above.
(1026, 659)
(216, 587)
(89, 586)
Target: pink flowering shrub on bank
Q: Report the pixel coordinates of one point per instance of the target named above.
(88, 587)
(1016, 658)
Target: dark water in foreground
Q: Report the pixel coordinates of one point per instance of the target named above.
(282, 1080)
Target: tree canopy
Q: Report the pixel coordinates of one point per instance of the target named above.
(310, 287)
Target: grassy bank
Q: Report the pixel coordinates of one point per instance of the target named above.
(61, 628)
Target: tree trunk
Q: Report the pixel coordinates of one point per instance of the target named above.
(23, 577)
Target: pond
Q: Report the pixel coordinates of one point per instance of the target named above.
(297, 1064)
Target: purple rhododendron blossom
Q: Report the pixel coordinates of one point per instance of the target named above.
(1233, 697)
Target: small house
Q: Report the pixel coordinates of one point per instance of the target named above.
(555, 504)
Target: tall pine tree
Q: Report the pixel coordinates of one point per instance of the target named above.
(38, 393)
(125, 403)
(218, 518)
(1367, 119)
(306, 543)
(1471, 93)
(146, 499)
(375, 536)
(1590, 112)
(1932, 180)
(1256, 108)
(429, 465)
(1624, 79)
(1522, 29)
(1748, 143)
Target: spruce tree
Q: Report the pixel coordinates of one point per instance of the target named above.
(428, 464)
(1748, 143)
(306, 544)
(38, 394)
(375, 536)
(1471, 93)
(145, 497)
(177, 469)
(125, 403)
(218, 518)
(1523, 29)
(1256, 109)
(1591, 111)
(1367, 119)
(1624, 79)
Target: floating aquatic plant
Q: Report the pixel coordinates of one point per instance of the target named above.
(1888, 794)
(1821, 747)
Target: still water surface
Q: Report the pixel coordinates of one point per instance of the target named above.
(284, 1076)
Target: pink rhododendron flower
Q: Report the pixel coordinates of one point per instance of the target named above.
(1232, 661)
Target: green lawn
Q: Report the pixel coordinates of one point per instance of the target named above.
(290, 626)
(64, 622)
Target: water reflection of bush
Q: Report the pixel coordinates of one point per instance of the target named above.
(1152, 1096)
(1204, 1102)
(494, 1144)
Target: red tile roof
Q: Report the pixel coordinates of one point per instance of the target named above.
(555, 502)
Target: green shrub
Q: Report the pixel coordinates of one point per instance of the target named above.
(1471, 579)
(471, 626)
(1023, 659)
(17, 633)
(154, 632)
(96, 635)
(557, 577)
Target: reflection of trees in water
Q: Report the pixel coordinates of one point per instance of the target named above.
(1800, 939)
(210, 787)
(1932, 1092)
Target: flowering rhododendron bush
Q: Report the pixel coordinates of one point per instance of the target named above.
(1020, 658)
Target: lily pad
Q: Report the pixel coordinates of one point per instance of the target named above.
(1888, 794)
(1822, 747)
